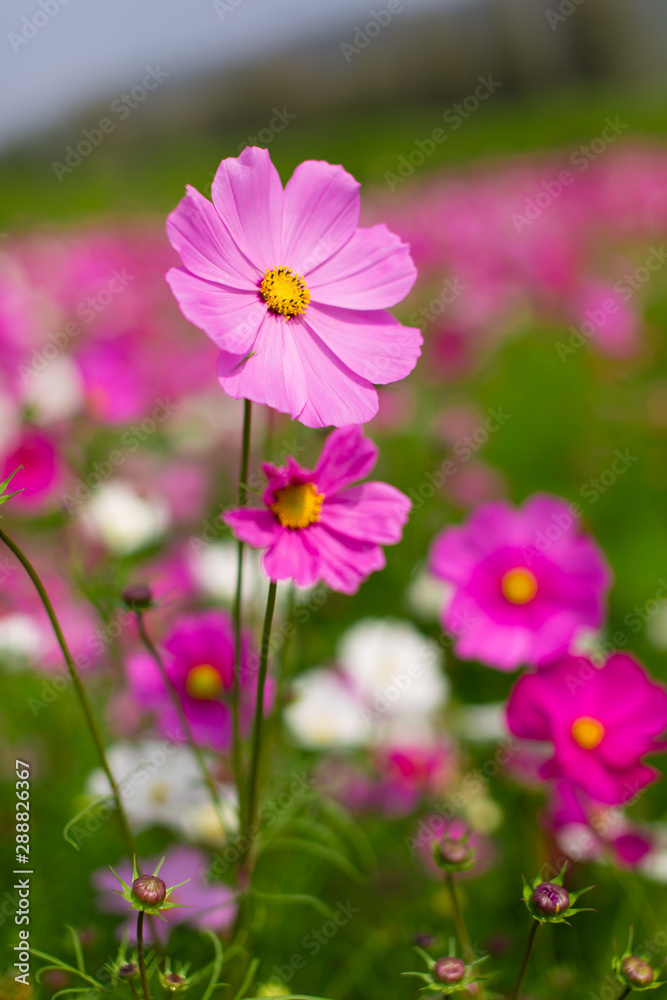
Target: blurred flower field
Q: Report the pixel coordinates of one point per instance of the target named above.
(529, 441)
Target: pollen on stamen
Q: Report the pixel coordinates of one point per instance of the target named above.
(284, 291)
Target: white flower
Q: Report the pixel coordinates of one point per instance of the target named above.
(426, 595)
(325, 712)
(123, 519)
(397, 670)
(160, 784)
(21, 636)
(214, 568)
(56, 392)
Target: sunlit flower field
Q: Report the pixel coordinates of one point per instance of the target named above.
(333, 568)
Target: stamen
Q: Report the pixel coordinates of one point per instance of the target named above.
(298, 505)
(284, 291)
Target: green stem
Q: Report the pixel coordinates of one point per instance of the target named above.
(526, 960)
(242, 499)
(459, 921)
(140, 955)
(78, 687)
(187, 728)
(253, 803)
(625, 993)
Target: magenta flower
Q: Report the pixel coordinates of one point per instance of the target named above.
(525, 582)
(601, 722)
(199, 659)
(316, 526)
(202, 905)
(291, 291)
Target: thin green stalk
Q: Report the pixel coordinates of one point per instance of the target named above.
(625, 993)
(196, 749)
(242, 499)
(459, 921)
(78, 687)
(140, 955)
(253, 802)
(526, 959)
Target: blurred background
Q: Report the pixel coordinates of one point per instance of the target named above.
(543, 301)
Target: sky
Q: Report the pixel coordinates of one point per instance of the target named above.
(62, 55)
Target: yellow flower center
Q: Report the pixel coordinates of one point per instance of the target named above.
(587, 732)
(284, 291)
(203, 682)
(519, 586)
(298, 506)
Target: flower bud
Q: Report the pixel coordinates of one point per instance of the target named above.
(149, 889)
(636, 971)
(172, 981)
(138, 597)
(449, 969)
(549, 898)
(454, 852)
(128, 971)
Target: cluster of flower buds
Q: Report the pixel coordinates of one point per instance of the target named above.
(447, 974)
(148, 892)
(454, 853)
(550, 902)
(635, 970)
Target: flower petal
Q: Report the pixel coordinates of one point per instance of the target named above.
(321, 214)
(335, 395)
(248, 196)
(292, 557)
(344, 563)
(373, 270)
(231, 318)
(372, 512)
(258, 528)
(346, 457)
(273, 375)
(206, 246)
(374, 345)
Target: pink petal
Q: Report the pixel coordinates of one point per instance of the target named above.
(372, 344)
(292, 557)
(205, 245)
(248, 196)
(344, 563)
(372, 512)
(373, 270)
(321, 214)
(346, 457)
(273, 375)
(145, 680)
(258, 528)
(334, 394)
(229, 317)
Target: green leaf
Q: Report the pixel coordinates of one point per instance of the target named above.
(59, 964)
(217, 965)
(3, 486)
(317, 850)
(76, 944)
(248, 978)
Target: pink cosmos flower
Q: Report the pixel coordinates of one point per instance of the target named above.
(43, 472)
(316, 526)
(199, 659)
(601, 722)
(587, 831)
(291, 291)
(525, 581)
(203, 905)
